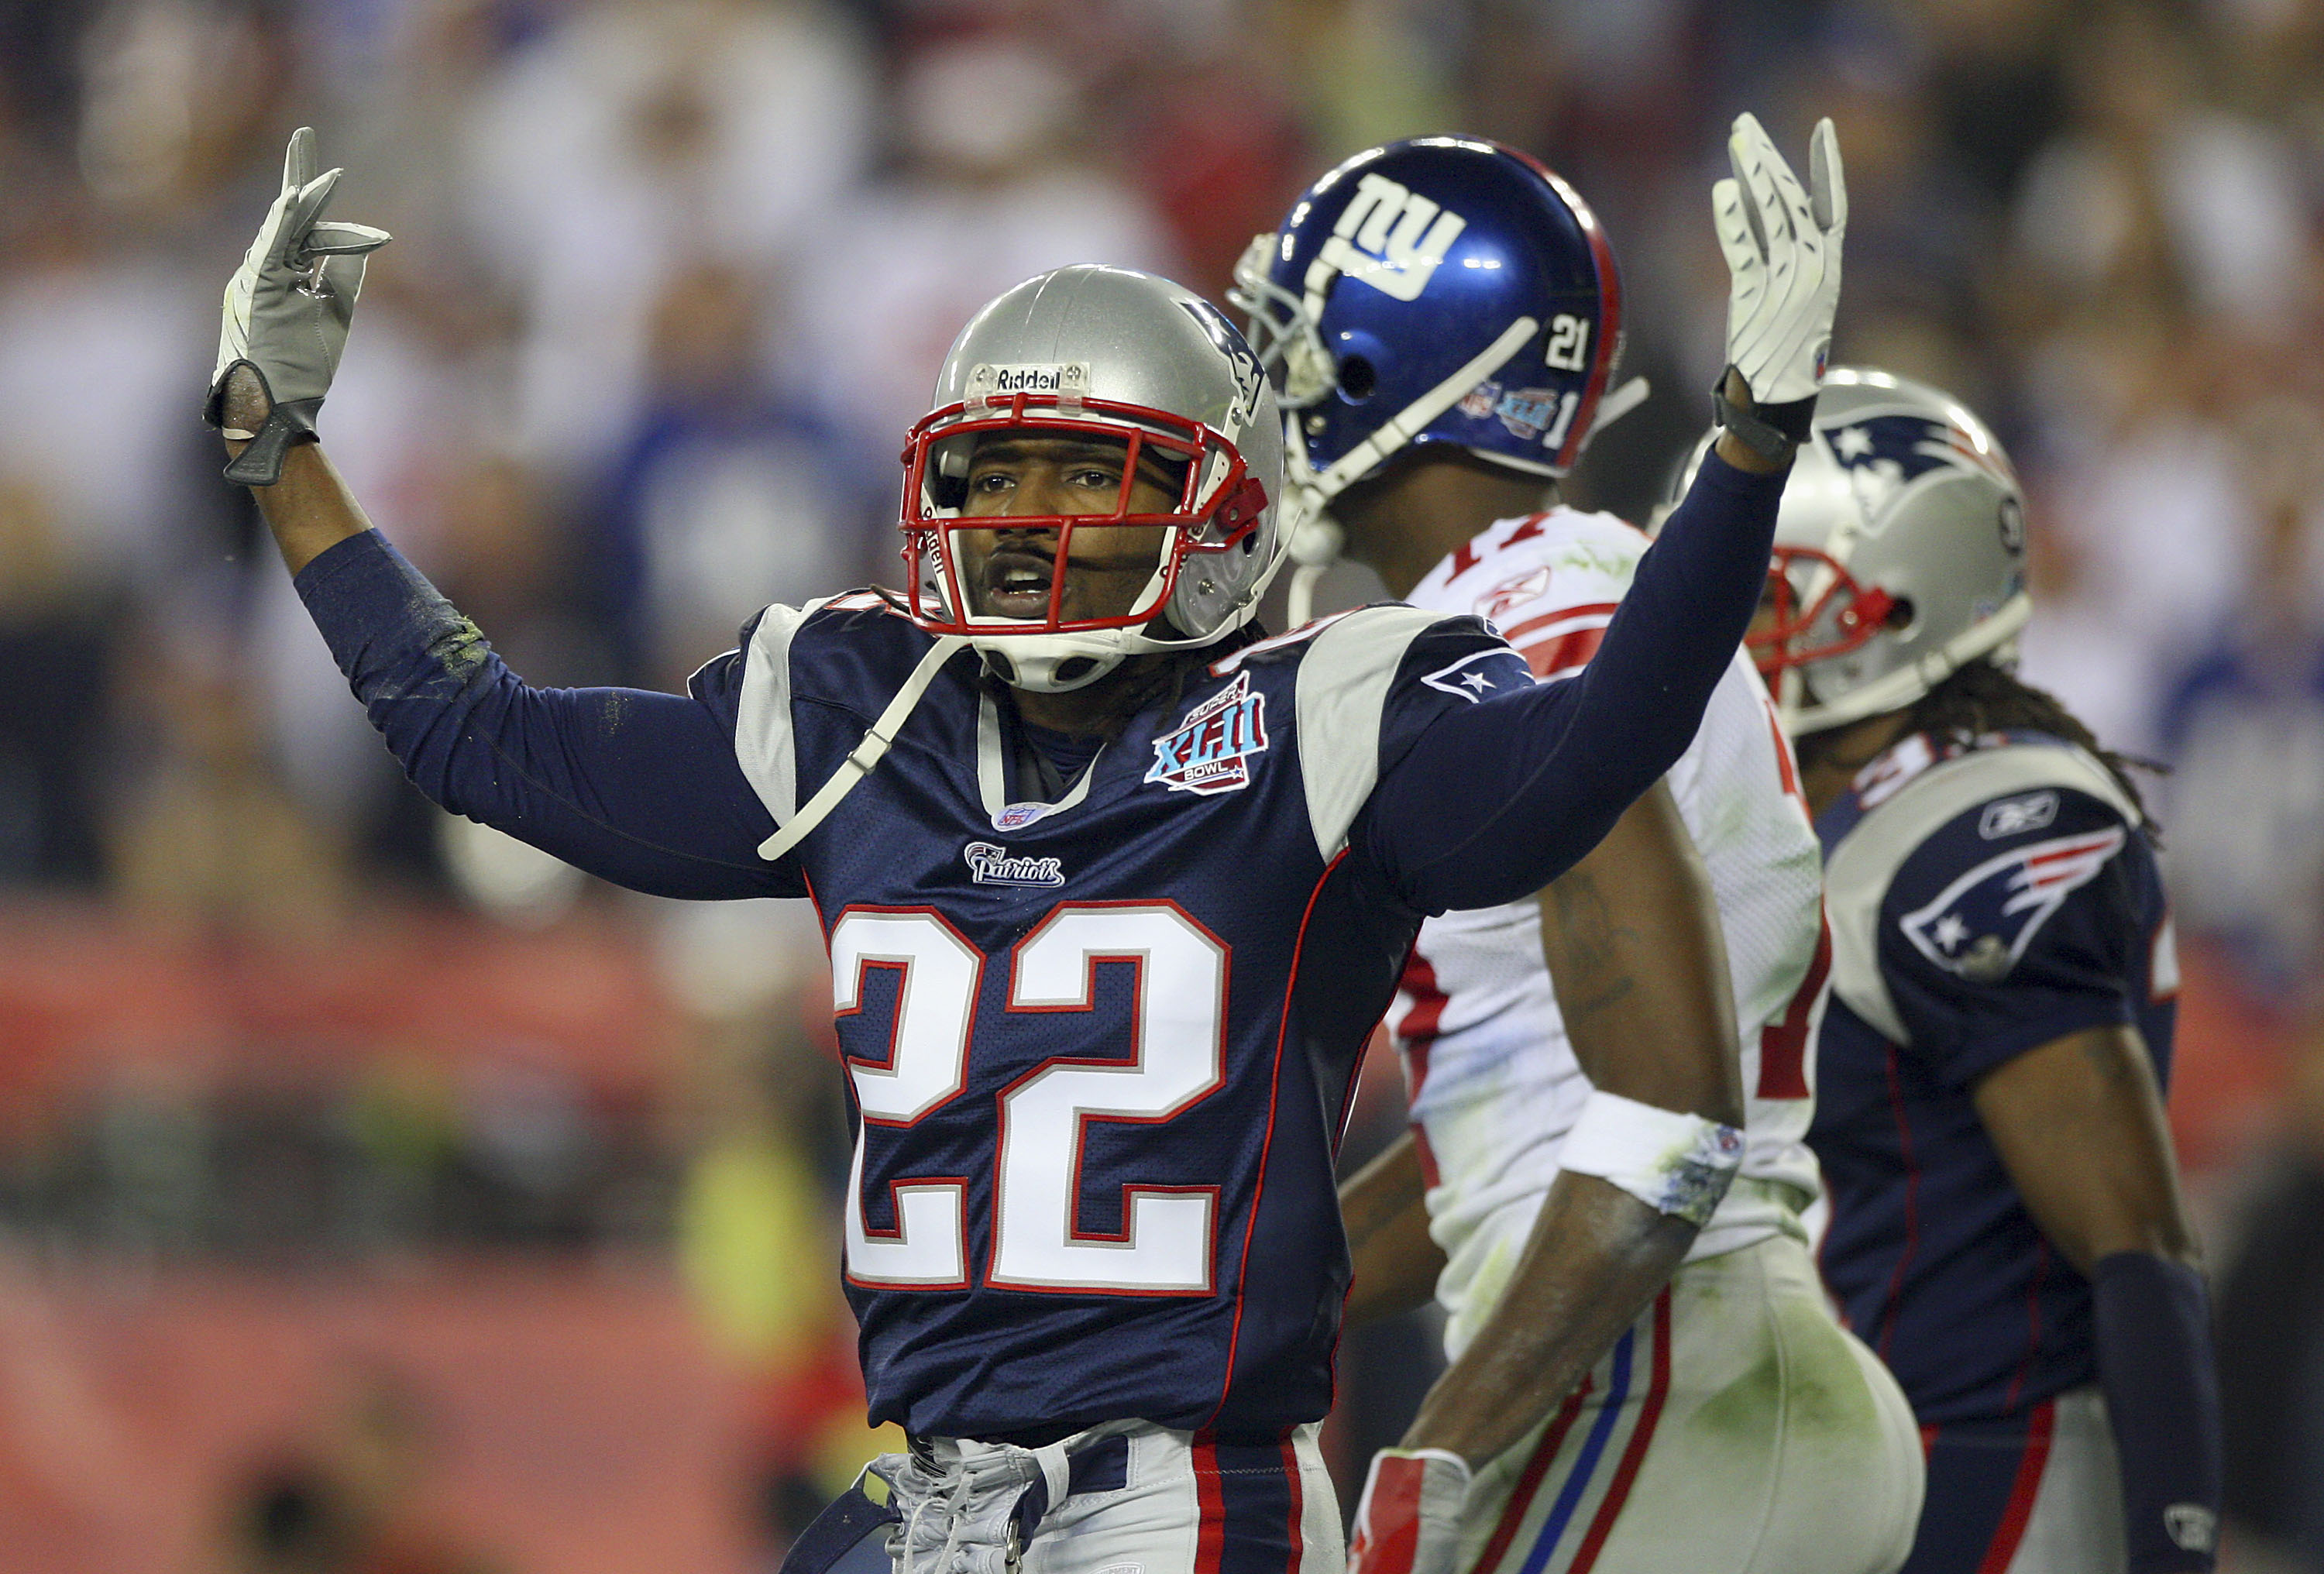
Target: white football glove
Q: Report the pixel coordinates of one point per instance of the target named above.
(1409, 1519)
(1782, 249)
(287, 309)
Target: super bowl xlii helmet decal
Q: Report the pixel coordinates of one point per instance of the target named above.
(1443, 289)
(1128, 358)
(1900, 553)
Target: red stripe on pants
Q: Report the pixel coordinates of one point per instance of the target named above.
(1649, 1413)
(1211, 1539)
(1298, 1504)
(2023, 1491)
(1521, 1495)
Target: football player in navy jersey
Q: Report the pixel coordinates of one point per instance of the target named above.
(2006, 1229)
(1114, 888)
(1636, 1373)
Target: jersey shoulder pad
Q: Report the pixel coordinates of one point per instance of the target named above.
(1982, 848)
(1548, 582)
(852, 650)
(1367, 680)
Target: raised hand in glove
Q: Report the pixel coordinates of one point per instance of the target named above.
(1409, 1519)
(1783, 252)
(287, 309)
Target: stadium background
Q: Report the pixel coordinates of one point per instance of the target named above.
(374, 1196)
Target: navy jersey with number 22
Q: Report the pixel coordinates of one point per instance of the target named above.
(1099, 1070)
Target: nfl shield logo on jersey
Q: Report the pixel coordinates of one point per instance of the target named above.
(1210, 751)
(1982, 923)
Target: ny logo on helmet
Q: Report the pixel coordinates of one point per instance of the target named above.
(1389, 237)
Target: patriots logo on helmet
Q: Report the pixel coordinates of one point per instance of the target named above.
(1981, 924)
(1886, 453)
(1249, 378)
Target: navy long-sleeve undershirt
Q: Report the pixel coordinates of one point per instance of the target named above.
(1490, 803)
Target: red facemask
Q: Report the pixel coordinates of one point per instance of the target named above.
(932, 530)
(1858, 612)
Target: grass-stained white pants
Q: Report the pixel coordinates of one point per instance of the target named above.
(1735, 1428)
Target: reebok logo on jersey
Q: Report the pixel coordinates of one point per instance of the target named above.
(2015, 816)
(1981, 924)
(1508, 596)
(993, 866)
(2193, 1528)
(1211, 750)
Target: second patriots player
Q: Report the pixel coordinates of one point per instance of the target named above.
(1599, 1414)
(2006, 1229)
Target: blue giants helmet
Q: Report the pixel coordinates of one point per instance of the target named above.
(1443, 289)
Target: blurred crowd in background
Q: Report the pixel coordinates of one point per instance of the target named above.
(670, 278)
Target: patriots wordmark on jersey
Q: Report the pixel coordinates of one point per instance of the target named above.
(1986, 899)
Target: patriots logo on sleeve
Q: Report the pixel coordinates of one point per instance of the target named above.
(1981, 924)
(1480, 675)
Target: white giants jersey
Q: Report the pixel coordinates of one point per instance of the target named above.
(1493, 1081)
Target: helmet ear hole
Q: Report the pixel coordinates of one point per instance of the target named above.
(1902, 615)
(1357, 379)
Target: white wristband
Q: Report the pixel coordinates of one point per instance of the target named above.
(1679, 1164)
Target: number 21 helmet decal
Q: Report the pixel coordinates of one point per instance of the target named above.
(1442, 290)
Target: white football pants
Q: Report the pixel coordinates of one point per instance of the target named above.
(1735, 1428)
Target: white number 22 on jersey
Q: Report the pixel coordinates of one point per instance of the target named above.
(1168, 1233)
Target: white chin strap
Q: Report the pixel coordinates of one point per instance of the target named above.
(1030, 661)
(1317, 540)
(865, 755)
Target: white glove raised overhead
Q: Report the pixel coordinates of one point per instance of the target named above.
(286, 310)
(1409, 1519)
(1782, 249)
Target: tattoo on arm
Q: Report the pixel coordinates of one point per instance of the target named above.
(1592, 945)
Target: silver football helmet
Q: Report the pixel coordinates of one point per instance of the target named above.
(1900, 553)
(1135, 359)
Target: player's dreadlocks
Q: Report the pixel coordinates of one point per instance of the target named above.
(1981, 698)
